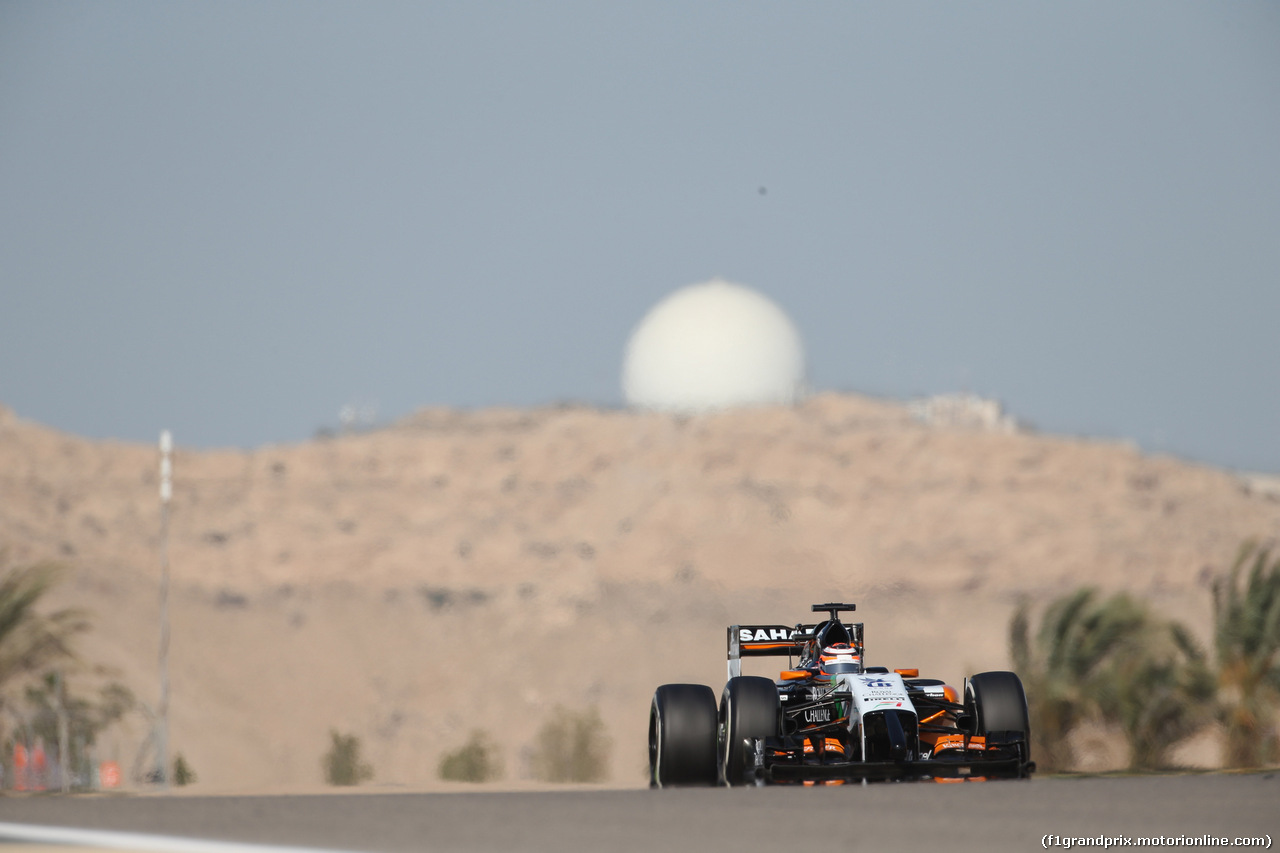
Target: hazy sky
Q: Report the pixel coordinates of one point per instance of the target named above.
(230, 219)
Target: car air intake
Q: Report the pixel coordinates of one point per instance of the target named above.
(890, 736)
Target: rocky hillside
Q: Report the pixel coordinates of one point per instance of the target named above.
(463, 570)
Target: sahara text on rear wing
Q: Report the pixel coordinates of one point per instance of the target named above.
(747, 641)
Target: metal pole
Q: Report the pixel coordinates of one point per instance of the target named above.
(166, 492)
(64, 747)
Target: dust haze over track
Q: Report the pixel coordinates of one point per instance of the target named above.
(972, 816)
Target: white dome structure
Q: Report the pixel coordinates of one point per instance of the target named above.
(712, 346)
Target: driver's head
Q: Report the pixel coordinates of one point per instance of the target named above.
(839, 657)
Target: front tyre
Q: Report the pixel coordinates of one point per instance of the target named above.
(748, 712)
(998, 703)
(682, 736)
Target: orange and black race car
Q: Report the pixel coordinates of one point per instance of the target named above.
(830, 719)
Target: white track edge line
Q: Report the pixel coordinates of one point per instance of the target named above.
(109, 840)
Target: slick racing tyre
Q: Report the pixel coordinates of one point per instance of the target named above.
(997, 703)
(748, 710)
(682, 736)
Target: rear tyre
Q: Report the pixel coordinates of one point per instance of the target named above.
(748, 711)
(682, 736)
(997, 703)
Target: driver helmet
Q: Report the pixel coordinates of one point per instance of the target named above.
(838, 658)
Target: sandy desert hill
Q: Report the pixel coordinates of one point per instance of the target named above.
(473, 570)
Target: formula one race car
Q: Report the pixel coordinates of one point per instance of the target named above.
(830, 719)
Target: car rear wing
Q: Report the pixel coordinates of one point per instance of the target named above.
(748, 641)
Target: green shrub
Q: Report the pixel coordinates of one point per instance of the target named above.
(182, 772)
(342, 763)
(572, 747)
(474, 761)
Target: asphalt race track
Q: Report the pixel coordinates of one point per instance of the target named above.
(954, 817)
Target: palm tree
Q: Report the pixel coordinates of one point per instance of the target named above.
(1247, 641)
(1159, 694)
(1067, 663)
(30, 640)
